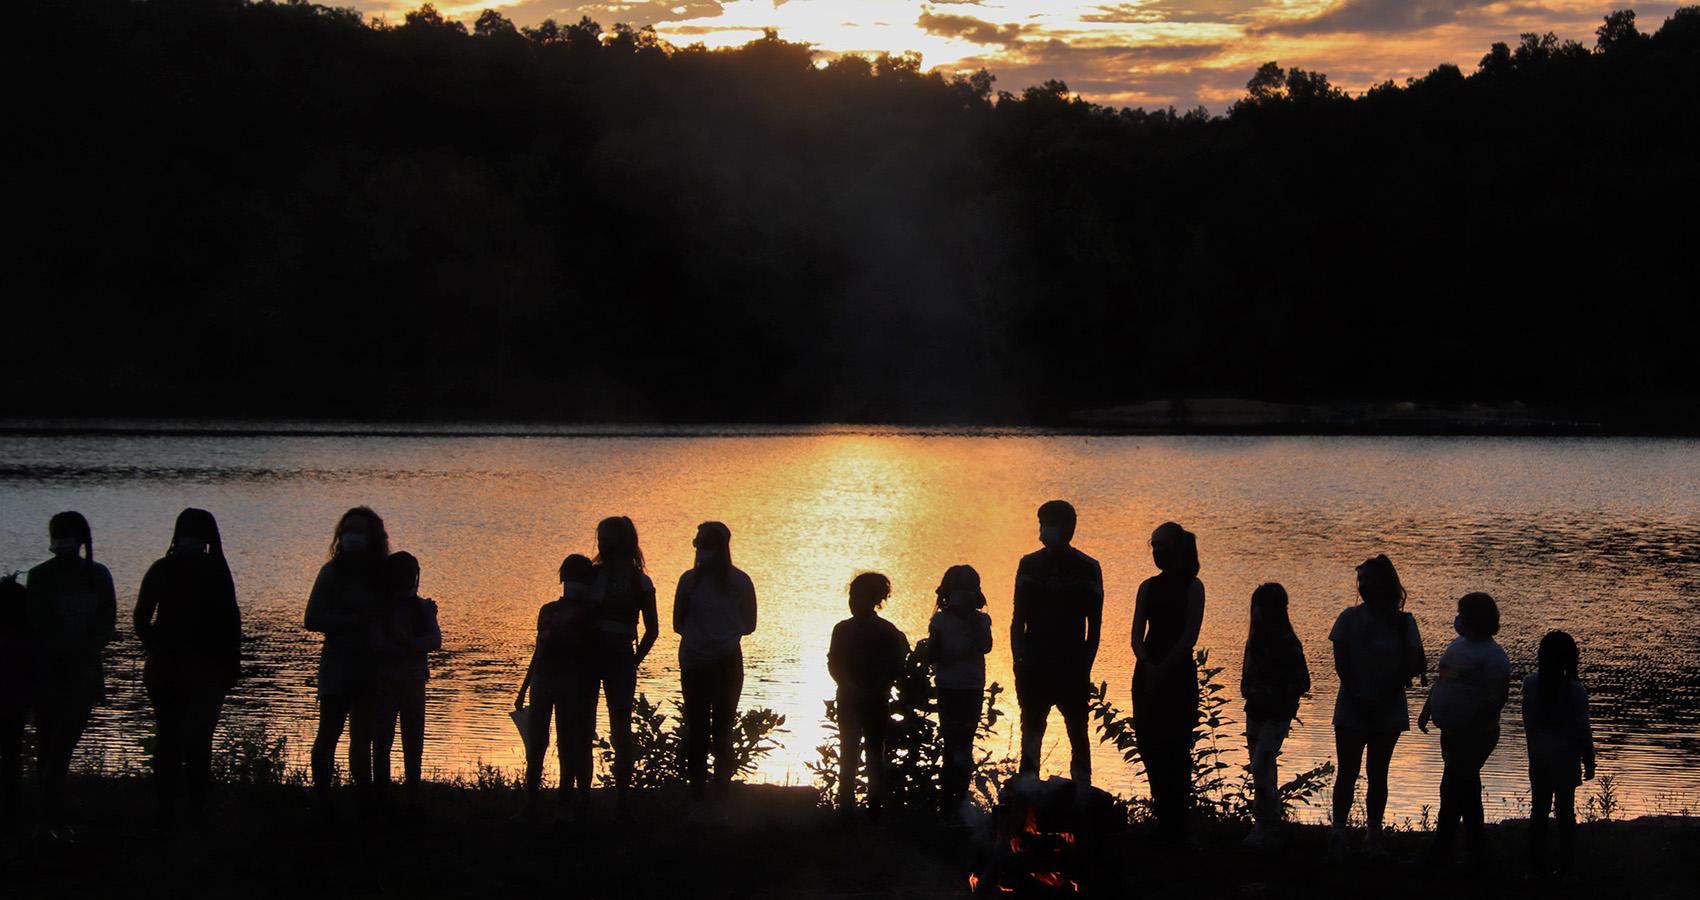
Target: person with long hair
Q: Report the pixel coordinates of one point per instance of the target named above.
(72, 614)
(1167, 614)
(345, 598)
(14, 696)
(1472, 680)
(191, 630)
(1273, 678)
(864, 658)
(622, 595)
(404, 632)
(1378, 651)
(1561, 746)
(1054, 630)
(958, 638)
(562, 681)
(713, 608)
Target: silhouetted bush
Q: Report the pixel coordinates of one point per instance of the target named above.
(658, 748)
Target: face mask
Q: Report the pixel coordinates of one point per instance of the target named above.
(353, 542)
(64, 546)
(961, 600)
(708, 556)
(190, 545)
(575, 590)
(1051, 535)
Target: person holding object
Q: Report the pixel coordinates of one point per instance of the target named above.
(1053, 636)
(191, 630)
(562, 681)
(713, 608)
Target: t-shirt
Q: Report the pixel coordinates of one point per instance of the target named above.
(1558, 729)
(1382, 654)
(866, 655)
(1057, 593)
(72, 611)
(403, 634)
(1273, 676)
(1470, 684)
(563, 645)
(958, 642)
(718, 613)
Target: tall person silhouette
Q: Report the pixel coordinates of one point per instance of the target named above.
(191, 629)
(622, 595)
(345, 598)
(713, 608)
(1167, 614)
(72, 613)
(1053, 635)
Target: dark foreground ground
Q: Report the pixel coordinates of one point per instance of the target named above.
(767, 842)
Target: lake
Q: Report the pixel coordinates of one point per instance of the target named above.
(1600, 537)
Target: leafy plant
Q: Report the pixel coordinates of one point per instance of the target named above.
(659, 742)
(914, 747)
(250, 755)
(1215, 794)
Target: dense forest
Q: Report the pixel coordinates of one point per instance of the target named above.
(227, 207)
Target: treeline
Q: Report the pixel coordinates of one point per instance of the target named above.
(259, 208)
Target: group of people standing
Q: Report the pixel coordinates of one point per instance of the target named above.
(591, 641)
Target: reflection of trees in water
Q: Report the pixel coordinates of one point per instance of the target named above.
(279, 209)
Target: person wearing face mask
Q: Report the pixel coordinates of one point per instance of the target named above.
(345, 598)
(713, 608)
(958, 638)
(191, 632)
(1167, 614)
(1053, 635)
(72, 614)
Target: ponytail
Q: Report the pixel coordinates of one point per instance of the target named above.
(71, 524)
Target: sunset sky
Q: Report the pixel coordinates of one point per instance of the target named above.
(1142, 53)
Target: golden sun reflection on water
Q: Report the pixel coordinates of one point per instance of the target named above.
(1592, 536)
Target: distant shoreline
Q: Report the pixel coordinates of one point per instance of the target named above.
(1179, 418)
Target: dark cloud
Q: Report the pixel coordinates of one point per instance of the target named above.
(1191, 11)
(969, 28)
(1116, 74)
(1376, 17)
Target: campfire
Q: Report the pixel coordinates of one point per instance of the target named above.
(1042, 840)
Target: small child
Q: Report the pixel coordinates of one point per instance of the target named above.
(1273, 676)
(563, 684)
(1561, 746)
(865, 657)
(404, 632)
(14, 696)
(1472, 681)
(958, 639)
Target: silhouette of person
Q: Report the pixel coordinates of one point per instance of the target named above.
(1053, 636)
(191, 630)
(1167, 614)
(865, 657)
(1377, 652)
(958, 638)
(562, 679)
(1273, 677)
(404, 632)
(713, 608)
(72, 614)
(1561, 746)
(1472, 681)
(621, 594)
(345, 599)
(14, 696)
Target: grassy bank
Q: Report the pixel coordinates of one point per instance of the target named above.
(768, 841)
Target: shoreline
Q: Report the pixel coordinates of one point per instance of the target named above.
(767, 841)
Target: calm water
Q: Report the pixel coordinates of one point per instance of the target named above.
(1600, 537)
